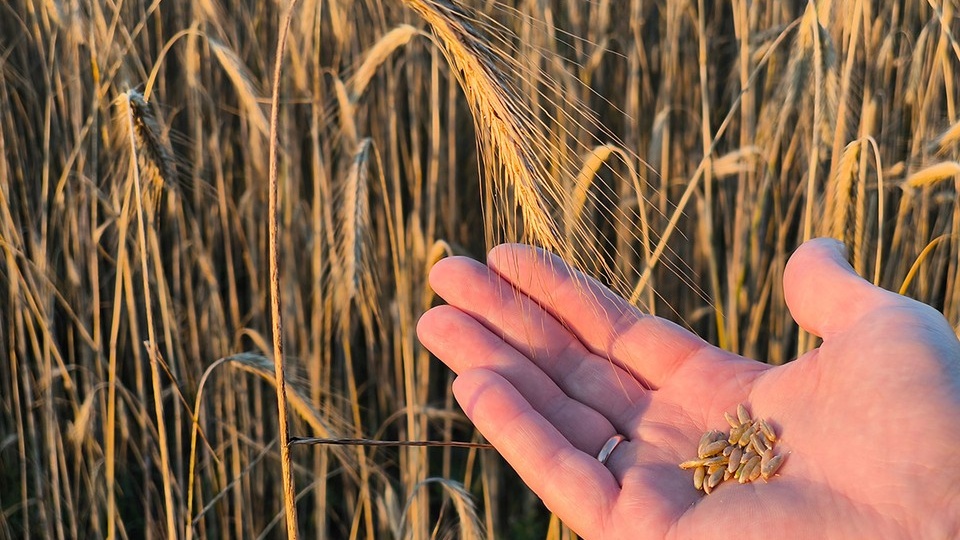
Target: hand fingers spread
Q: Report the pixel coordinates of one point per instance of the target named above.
(649, 347)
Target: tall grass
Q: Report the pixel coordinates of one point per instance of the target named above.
(678, 150)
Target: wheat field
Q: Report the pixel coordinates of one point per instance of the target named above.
(677, 150)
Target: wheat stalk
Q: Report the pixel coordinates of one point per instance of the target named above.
(142, 132)
(276, 313)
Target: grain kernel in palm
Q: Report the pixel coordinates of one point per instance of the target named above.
(706, 439)
(742, 414)
(732, 420)
(766, 457)
(767, 430)
(713, 448)
(739, 472)
(734, 458)
(745, 436)
(698, 475)
(771, 467)
(715, 460)
(735, 434)
(758, 444)
(748, 468)
(715, 478)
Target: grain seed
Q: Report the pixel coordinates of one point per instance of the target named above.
(767, 430)
(742, 414)
(766, 457)
(706, 439)
(735, 434)
(732, 420)
(698, 475)
(715, 478)
(748, 468)
(771, 467)
(739, 471)
(757, 441)
(715, 460)
(735, 458)
(713, 449)
(745, 436)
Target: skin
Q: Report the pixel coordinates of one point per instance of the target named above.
(551, 364)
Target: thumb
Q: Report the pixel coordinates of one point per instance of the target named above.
(822, 291)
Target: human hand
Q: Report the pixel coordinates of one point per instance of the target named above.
(551, 364)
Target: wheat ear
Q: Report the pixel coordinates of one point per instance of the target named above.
(505, 137)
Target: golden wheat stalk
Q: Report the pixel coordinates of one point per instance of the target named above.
(276, 313)
(150, 169)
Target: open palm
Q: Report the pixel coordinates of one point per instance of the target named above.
(551, 364)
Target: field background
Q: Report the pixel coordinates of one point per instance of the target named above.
(678, 149)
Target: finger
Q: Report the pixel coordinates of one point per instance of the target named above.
(525, 326)
(571, 483)
(462, 343)
(648, 347)
(824, 294)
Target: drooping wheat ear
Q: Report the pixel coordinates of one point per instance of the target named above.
(933, 174)
(506, 137)
(588, 171)
(471, 527)
(243, 82)
(154, 157)
(942, 143)
(378, 54)
(354, 220)
(736, 162)
(575, 205)
(325, 424)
